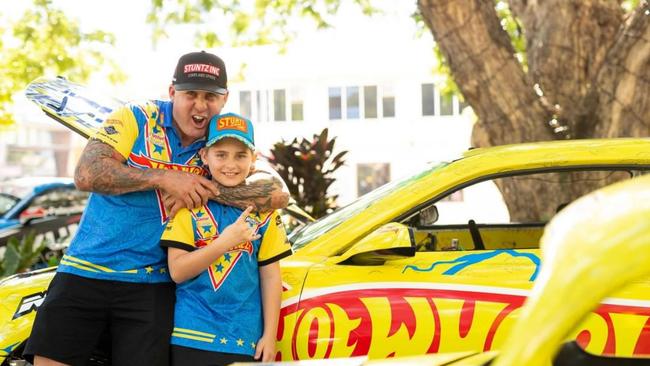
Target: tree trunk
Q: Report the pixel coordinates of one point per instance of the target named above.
(588, 75)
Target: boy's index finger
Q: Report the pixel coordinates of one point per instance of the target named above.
(245, 214)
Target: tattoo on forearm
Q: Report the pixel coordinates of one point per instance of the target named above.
(264, 195)
(101, 169)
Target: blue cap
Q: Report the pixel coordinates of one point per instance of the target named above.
(231, 125)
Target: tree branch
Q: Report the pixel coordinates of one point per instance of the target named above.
(623, 85)
(481, 58)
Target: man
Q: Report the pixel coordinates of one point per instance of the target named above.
(142, 167)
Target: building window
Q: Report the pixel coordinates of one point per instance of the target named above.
(446, 105)
(296, 111)
(461, 106)
(245, 104)
(352, 102)
(296, 97)
(262, 107)
(279, 105)
(428, 107)
(370, 101)
(371, 176)
(361, 102)
(388, 102)
(275, 105)
(335, 106)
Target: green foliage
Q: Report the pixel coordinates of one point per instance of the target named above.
(20, 255)
(629, 5)
(512, 26)
(307, 167)
(44, 41)
(259, 22)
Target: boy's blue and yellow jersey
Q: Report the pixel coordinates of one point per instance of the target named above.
(118, 236)
(221, 309)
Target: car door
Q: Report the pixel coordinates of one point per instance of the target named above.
(432, 302)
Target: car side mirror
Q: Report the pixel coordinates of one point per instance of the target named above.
(389, 241)
(428, 216)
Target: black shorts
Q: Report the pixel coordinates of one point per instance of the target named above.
(185, 356)
(137, 319)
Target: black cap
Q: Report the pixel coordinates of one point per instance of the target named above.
(201, 71)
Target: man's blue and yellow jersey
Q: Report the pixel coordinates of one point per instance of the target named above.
(221, 309)
(118, 236)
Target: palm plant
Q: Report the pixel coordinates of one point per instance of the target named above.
(307, 167)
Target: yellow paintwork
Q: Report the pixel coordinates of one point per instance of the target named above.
(12, 291)
(602, 242)
(445, 302)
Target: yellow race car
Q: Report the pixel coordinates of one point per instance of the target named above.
(595, 248)
(432, 263)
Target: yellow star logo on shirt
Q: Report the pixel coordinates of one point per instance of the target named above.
(240, 342)
(149, 269)
(223, 340)
(163, 270)
(253, 344)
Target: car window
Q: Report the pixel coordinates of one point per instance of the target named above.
(478, 217)
(59, 201)
(7, 201)
(483, 202)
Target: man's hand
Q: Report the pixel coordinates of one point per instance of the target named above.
(185, 190)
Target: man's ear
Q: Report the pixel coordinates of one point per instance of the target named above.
(172, 91)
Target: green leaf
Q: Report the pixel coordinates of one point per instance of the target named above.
(11, 260)
(44, 41)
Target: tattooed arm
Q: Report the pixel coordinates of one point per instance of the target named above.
(103, 170)
(262, 190)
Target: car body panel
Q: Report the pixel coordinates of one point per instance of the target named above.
(25, 190)
(50, 207)
(470, 299)
(21, 296)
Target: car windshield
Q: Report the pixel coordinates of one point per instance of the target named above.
(12, 191)
(300, 238)
(7, 201)
(15, 190)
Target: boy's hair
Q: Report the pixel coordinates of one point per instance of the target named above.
(231, 125)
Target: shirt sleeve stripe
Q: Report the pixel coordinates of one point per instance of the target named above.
(177, 244)
(275, 259)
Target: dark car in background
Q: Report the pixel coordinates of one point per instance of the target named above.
(50, 207)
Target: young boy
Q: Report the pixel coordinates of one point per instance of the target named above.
(225, 263)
